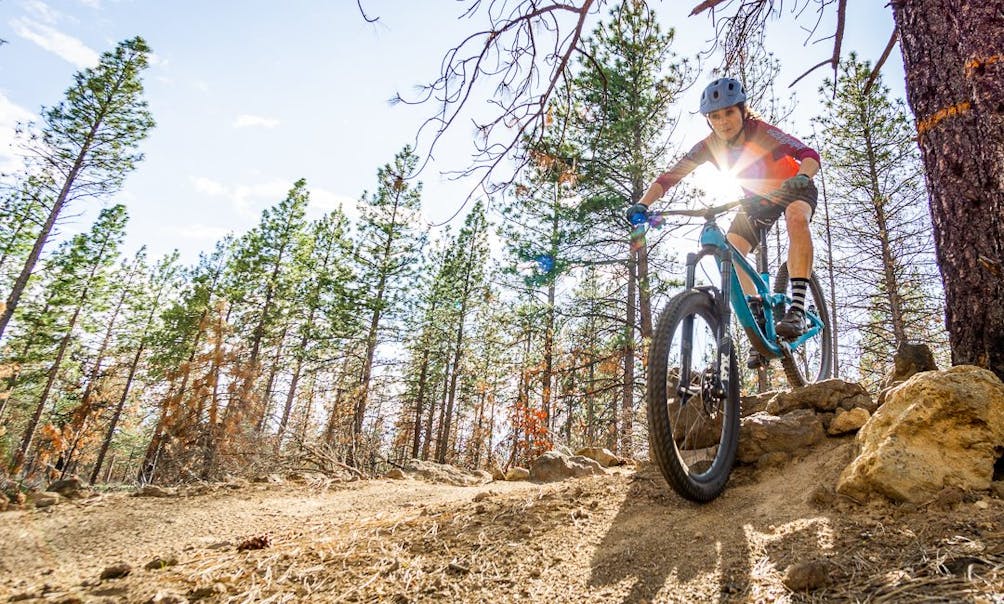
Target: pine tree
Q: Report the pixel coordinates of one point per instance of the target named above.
(261, 280)
(621, 103)
(465, 276)
(389, 247)
(885, 252)
(86, 146)
(82, 276)
(146, 305)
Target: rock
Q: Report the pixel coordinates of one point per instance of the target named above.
(997, 489)
(70, 488)
(807, 576)
(848, 421)
(909, 360)
(774, 459)
(116, 571)
(237, 483)
(601, 455)
(553, 466)
(792, 432)
(481, 496)
(822, 396)
(395, 474)
(755, 403)
(517, 473)
(207, 591)
(938, 429)
(4, 503)
(445, 473)
(43, 500)
(497, 473)
(269, 479)
(161, 562)
(822, 496)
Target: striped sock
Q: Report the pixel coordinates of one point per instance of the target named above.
(798, 289)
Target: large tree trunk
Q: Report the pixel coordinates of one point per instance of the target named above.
(110, 434)
(955, 86)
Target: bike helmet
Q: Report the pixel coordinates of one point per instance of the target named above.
(722, 93)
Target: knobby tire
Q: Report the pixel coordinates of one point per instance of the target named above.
(695, 483)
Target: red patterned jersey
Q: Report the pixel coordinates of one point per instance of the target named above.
(766, 157)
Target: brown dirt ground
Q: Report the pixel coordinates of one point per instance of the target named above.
(622, 537)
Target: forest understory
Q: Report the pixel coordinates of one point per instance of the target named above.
(774, 535)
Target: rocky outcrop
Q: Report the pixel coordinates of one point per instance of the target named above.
(763, 435)
(938, 429)
(552, 466)
(827, 395)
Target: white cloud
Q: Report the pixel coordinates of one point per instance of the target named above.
(247, 121)
(43, 11)
(66, 47)
(10, 115)
(247, 200)
(325, 201)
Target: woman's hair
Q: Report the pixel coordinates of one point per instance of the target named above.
(749, 113)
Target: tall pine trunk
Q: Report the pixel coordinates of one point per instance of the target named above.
(955, 86)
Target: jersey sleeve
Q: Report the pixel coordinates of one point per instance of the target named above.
(698, 155)
(783, 144)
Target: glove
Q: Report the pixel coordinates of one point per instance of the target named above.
(637, 214)
(797, 183)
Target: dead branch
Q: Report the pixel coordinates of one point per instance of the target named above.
(878, 65)
(510, 54)
(362, 12)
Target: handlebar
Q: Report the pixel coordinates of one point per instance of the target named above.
(711, 211)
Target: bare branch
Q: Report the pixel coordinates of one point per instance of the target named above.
(366, 17)
(878, 66)
(524, 76)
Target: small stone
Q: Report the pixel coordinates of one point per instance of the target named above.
(807, 576)
(481, 496)
(982, 504)
(116, 571)
(396, 474)
(161, 562)
(822, 496)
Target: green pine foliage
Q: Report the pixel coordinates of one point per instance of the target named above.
(883, 253)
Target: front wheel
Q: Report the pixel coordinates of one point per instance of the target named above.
(812, 361)
(693, 398)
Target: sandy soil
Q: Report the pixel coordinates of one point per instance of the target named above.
(621, 537)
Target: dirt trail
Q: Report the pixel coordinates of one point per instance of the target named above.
(622, 537)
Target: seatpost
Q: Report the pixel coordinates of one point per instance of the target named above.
(761, 254)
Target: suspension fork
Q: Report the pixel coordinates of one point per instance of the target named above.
(720, 301)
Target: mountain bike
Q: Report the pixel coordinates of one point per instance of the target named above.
(693, 374)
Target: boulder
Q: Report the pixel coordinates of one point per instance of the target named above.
(553, 466)
(910, 359)
(601, 455)
(517, 473)
(70, 488)
(395, 474)
(827, 395)
(763, 433)
(848, 421)
(43, 499)
(938, 429)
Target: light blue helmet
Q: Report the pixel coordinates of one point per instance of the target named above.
(722, 93)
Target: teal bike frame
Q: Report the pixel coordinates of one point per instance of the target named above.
(714, 243)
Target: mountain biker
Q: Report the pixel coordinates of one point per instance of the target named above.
(764, 160)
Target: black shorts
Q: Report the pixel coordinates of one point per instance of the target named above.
(747, 224)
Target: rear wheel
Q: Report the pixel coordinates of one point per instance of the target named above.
(812, 361)
(693, 408)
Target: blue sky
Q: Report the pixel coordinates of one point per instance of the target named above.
(250, 96)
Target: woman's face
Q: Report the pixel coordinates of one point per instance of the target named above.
(727, 122)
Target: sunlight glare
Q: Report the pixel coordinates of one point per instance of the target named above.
(720, 185)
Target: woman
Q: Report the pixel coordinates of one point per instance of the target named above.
(764, 160)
